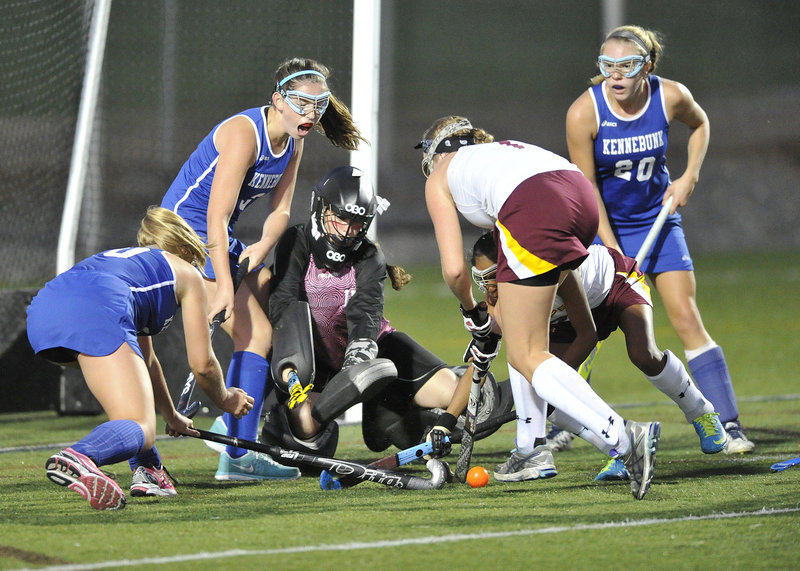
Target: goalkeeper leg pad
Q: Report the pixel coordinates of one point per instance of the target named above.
(277, 431)
(293, 345)
(353, 385)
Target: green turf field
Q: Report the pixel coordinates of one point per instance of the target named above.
(701, 511)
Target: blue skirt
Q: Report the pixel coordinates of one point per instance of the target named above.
(84, 312)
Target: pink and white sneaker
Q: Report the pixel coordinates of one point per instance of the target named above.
(78, 473)
(151, 482)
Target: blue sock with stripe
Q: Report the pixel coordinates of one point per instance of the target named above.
(249, 372)
(710, 372)
(147, 458)
(112, 442)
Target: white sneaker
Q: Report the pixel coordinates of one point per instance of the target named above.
(152, 482)
(640, 460)
(537, 464)
(737, 443)
(558, 440)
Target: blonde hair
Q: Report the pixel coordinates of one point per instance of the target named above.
(650, 38)
(479, 135)
(167, 231)
(337, 122)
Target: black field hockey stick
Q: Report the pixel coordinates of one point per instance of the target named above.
(361, 472)
(328, 482)
(188, 386)
(470, 426)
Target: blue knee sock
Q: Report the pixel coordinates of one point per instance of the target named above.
(249, 372)
(710, 372)
(112, 442)
(148, 458)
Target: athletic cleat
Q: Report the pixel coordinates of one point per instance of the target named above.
(738, 442)
(218, 427)
(558, 440)
(78, 473)
(537, 464)
(712, 435)
(253, 466)
(640, 460)
(152, 482)
(614, 470)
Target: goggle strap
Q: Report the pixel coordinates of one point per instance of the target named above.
(299, 73)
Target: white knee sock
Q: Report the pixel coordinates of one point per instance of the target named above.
(674, 381)
(561, 386)
(531, 411)
(566, 422)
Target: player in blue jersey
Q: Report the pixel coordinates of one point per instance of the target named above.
(252, 154)
(617, 134)
(100, 315)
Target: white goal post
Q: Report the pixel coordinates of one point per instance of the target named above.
(364, 105)
(70, 216)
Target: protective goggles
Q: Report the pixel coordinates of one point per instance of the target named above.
(302, 103)
(628, 66)
(484, 278)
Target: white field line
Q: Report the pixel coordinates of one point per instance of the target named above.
(353, 546)
(666, 402)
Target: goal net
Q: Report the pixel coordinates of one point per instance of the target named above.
(171, 70)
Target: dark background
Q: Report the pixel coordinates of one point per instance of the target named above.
(174, 69)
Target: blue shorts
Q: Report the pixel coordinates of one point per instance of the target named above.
(669, 252)
(235, 249)
(82, 312)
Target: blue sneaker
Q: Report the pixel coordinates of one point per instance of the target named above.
(253, 466)
(712, 435)
(218, 428)
(614, 470)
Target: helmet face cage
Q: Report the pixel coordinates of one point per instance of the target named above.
(346, 194)
(485, 278)
(344, 241)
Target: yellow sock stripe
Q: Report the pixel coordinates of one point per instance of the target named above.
(534, 264)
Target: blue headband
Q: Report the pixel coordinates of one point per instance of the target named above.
(298, 73)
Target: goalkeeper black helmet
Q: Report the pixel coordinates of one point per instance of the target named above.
(347, 194)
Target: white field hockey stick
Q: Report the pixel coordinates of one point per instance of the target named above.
(188, 387)
(586, 367)
(470, 424)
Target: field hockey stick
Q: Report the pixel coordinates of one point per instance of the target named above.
(328, 482)
(188, 386)
(363, 473)
(470, 424)
(586, 367)
(650, 239)
(781, 466)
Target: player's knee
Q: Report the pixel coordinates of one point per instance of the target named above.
(649, 360)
